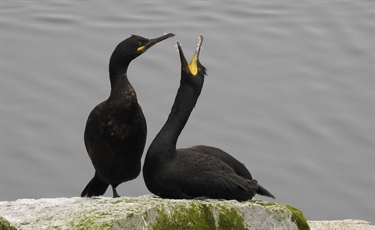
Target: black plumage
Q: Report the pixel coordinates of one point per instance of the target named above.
(199, 171)
(116, 129)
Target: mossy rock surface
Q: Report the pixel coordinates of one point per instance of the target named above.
(148, 212)
(4, 224)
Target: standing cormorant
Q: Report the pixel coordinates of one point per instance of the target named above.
(199, 171)
(115, 133)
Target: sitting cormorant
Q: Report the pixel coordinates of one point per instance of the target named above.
(115, 133)
(199, 171)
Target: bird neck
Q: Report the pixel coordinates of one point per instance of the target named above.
(117, 74)
(183, 105)
(122, 91)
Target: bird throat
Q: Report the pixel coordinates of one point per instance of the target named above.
(193, 66)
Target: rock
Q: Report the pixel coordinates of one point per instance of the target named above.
(148, 212)
(4, 224)
(341, 225)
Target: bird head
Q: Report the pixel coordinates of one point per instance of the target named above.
(193, 71)
(131, 48)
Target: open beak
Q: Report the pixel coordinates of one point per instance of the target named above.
(192, 67)
(154, 41)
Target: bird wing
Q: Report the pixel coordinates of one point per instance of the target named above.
(236, 165)
(204, 175)
(92, 129)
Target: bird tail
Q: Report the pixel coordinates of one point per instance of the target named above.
(262, 191)
(95, 187)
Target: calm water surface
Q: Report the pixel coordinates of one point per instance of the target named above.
(289, 92)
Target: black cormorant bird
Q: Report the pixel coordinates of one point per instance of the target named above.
(115, 133)
(199, 171)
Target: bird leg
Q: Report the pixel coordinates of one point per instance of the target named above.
(115, 194)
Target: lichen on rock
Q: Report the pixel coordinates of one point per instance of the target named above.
(4, 224)
(149, 212)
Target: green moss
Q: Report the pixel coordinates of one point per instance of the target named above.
(298, 218)
(297, 215)
(198, 215)
(5, 225)
(207, 214)
(230, 219)
(265, 203)
(90, 221)
(130, 215)
(191, 216)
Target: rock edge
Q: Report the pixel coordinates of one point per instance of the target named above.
(148, 212)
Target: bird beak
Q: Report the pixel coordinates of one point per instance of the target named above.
(192, 67)
(154, 41)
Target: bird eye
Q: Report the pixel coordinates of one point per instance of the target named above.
(199, 69)
(140, 44)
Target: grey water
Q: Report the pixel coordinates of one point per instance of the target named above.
(289, 92)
